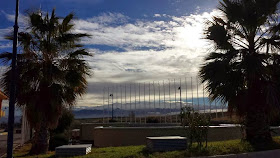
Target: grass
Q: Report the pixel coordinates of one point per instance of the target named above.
(214, 148)
(24, 152)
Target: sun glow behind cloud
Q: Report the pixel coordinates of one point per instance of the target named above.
(150, 50)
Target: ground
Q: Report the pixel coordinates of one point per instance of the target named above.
(3, 142)
(214, 148)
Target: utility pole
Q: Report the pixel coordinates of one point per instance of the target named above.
(12, 96)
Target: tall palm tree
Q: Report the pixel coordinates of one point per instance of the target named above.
(244, 69)
(51, 72)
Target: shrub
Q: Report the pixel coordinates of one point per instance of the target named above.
(152, 120)
(64, 122)
(196, 126)
(58, 140)
(60, 135)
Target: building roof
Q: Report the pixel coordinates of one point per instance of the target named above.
(3, 96)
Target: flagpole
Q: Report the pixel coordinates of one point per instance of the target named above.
(159, 102)
(204, 99)
(108, 104)
(103, 105)
(192, 91)
(112, 106)
(135, 103)
(145, 108)
(154, 96)
(197, 93)
(181, 100)
(164, 100)
(121, 104)
(139, 104)
(130, 118)
(216, 108)
(170, 103)
(186, 91)
(175, 100)
(149, 95)
(125, 102)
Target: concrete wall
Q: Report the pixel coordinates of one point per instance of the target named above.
(131, 135)
(124, 136)
(87, 129)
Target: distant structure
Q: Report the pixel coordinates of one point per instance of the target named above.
(2, 97)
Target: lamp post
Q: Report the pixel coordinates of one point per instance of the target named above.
(10, 140)
(111, 95)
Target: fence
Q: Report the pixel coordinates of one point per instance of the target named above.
(137, 102)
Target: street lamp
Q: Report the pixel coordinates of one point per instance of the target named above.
(111, 95)
(12, 100)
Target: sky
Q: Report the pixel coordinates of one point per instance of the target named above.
(133, 41)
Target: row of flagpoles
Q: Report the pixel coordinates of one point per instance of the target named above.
(124, 97)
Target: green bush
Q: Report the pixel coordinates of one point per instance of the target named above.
(58, 140)
(60, 135)
(152, 120)
(196, 126)
(64, 122)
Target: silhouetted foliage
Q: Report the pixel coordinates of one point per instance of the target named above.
(244, 69)
(51, 72)
(152, 120)
(64, 122)
(58, 140)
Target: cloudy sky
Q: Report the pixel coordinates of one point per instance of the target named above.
(133, 41)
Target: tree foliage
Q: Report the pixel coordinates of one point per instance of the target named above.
(244, 69)
(51, 69)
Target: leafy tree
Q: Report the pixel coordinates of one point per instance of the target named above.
(51, 72)
(244, 70)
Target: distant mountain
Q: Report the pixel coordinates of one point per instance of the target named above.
(145, 108)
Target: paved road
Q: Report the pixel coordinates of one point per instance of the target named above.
(3, 142)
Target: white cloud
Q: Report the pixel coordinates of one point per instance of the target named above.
(157, 15)
(181, 54)
(150, 50)
(109, 18)
(4, 32)
(22, 19)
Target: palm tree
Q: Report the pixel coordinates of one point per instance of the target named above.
(244, 69)
(51, 72)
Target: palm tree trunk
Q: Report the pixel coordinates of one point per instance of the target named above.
(40, 144)
(257, 127)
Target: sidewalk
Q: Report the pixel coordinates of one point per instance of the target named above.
(3, 142)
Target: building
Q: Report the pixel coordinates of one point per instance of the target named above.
(2, 97)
